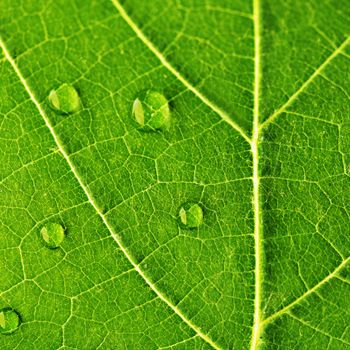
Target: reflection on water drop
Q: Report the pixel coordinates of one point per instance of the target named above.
(151, 110)
(191, 215)
(65, 99)
(53, 235)
(9, 320)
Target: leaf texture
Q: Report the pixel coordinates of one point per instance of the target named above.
(258, 138)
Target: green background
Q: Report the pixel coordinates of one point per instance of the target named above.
(87, 294)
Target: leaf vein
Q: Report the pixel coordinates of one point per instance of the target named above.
(306, 294)
(257, 325)
(316, 73)
(316, 329)
(176, 73)
(95, 206)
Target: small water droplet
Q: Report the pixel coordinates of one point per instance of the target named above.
(65, 99)
(151, 110)
(53, 234)
(191, 215)
(9, 320)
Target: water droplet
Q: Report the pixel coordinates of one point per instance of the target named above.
(151, 110)
(191, 215)
(9, 320)
(65, 99)
(53, 235)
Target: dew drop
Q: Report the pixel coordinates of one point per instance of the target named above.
(191, 215)
(65, 99)
(53, 235)
(151, 110)
(9, 320)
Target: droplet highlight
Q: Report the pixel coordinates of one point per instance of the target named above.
(53, 235)
(191, 215)
(65, 99)
(151, 111)
(9, 320)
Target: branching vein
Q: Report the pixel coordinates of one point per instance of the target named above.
(306, 294)
(317, 72)
(177, 74)
(259, 322)
(91, 200)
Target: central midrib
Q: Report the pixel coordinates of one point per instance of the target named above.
(255, 339)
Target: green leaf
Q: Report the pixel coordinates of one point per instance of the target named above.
(174, 174)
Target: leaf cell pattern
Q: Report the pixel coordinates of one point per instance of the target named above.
(258, 138)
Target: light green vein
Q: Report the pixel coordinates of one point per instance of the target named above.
(306, 294)
(176, 73)
(91, 200)
(306, 84)
(317, 329)
(255, 341)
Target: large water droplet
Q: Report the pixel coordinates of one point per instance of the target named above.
(53, 234)
(9, 320)
(151, 110)
(191, 215)
(65, 99)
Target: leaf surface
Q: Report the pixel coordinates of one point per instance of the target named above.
(258, 139)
